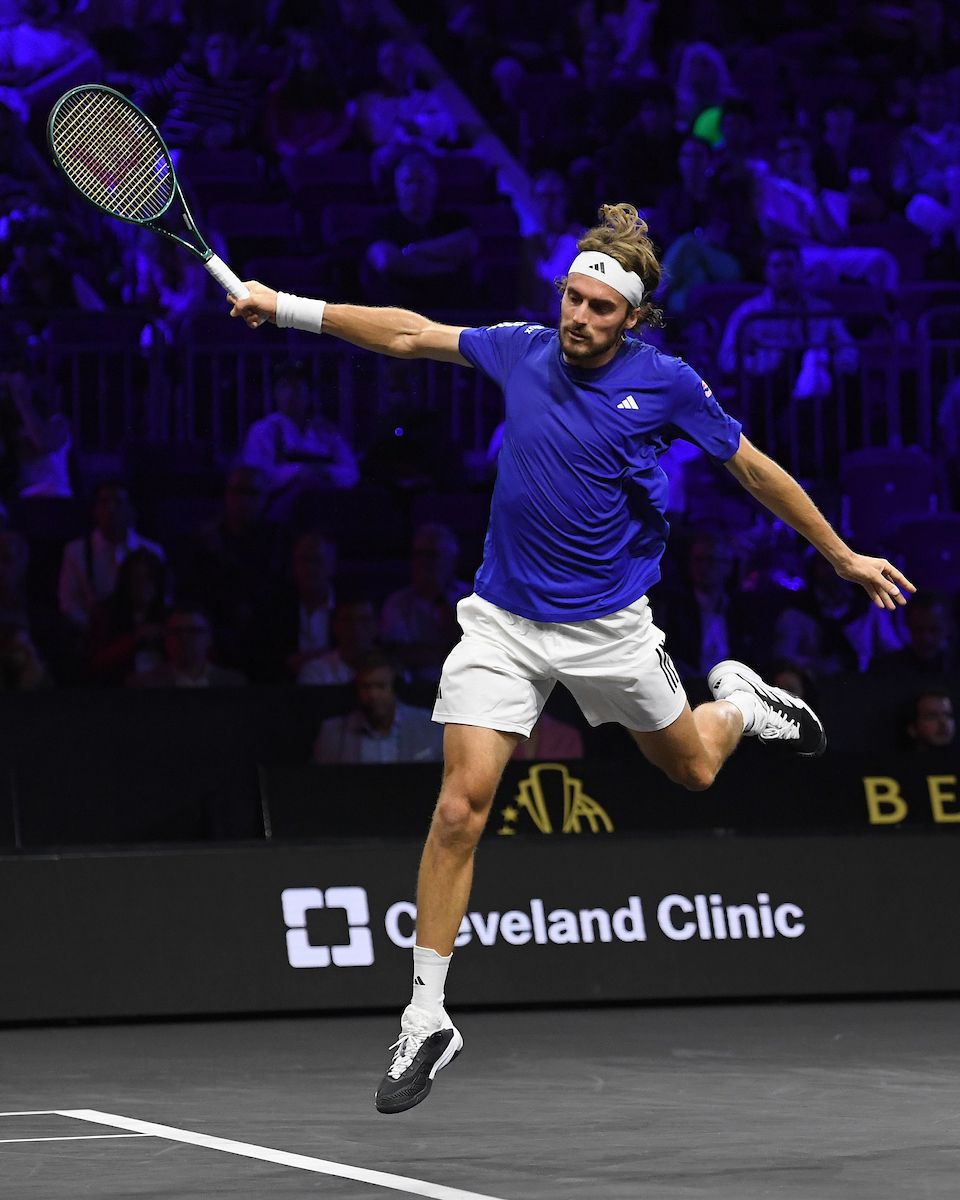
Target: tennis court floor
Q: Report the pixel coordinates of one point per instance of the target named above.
(737, 1102)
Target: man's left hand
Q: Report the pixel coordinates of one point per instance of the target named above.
(881, 580)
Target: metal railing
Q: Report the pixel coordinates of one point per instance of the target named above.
(115, 384)
(809, 391)
(215, 379)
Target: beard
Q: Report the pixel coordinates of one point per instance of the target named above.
(583, 349)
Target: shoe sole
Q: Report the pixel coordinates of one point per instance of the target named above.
(446, 1058)
(733, 667)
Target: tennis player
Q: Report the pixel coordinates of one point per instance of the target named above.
(576, 535)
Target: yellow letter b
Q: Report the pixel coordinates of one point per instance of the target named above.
(884, 803)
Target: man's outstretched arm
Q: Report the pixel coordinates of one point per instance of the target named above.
(392, 331)
(780, 492)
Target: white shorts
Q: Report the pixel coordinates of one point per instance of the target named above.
(502, 670)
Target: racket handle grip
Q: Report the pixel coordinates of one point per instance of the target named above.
(225, 277)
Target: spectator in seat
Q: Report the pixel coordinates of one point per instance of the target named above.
(824, 341)
(701, 256)
(293, 626)
(35, 40)
(931, 648)
(601, 98)
(380, 729)
(88, 571)
(686, 205)
(703, 82)
(305, 113)
(423, 256)
(41, 440)
(354, 628)
(38, 277)
(187, 639)
(931, 724)
(549, 251)
(231, 564)
(419, 622)
(843, 163)
(737, 150)
(126, 634)
(792, 205)
(827, 629)
(298, 450)
(399, 116)
(926, 173)
(207, 106)
(159, 278)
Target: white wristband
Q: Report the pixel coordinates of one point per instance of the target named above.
(299, 312)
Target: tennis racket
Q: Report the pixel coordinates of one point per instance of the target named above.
(114, 156)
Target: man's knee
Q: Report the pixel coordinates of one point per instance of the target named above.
(694, 775)
(461, 813)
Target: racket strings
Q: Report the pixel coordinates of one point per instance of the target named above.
(120, 165)
(112, 159)
(112, 156)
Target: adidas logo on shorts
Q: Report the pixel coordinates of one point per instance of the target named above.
(628, 403)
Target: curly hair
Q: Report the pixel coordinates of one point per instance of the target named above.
(622, 233)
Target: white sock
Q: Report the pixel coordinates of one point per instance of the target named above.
(429, 977)
(746, 703)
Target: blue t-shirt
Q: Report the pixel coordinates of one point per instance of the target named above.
(577, 526)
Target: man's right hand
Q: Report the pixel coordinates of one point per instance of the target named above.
(259, 306)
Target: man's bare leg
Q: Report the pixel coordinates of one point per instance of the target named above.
(474, 760)
(692, 750)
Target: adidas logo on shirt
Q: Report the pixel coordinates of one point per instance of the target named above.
(628, 403)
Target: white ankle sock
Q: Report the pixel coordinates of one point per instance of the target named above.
(429, 977)
(746, 703)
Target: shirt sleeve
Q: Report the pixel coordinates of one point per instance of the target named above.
(496, 349)
(699, 418)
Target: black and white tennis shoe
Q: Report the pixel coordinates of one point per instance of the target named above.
(426, 1045)
(782, 719)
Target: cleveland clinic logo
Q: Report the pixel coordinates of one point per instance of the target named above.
(357, 951)
(701, 917)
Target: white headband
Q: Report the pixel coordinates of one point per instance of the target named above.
(601, 266)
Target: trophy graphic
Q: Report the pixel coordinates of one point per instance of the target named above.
(556, 802)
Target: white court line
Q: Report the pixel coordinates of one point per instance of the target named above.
(34, 1112)
(399, 1183)
(74, 1137)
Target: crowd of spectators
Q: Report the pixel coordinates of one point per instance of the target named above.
(795, 153)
